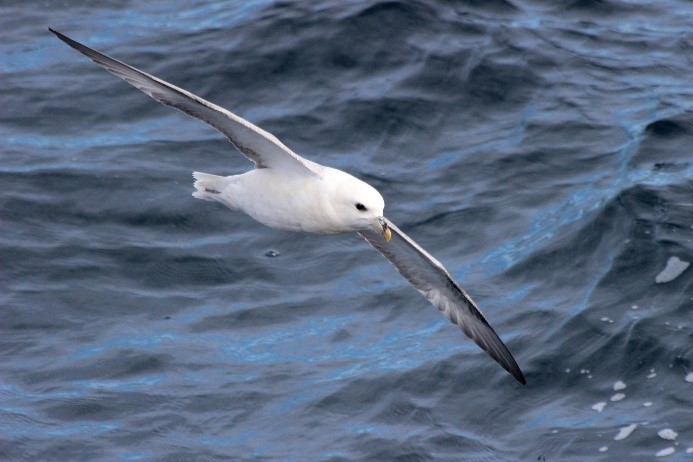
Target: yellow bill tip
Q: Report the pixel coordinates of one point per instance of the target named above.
(387, 233)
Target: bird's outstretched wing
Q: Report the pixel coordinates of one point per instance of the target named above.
(433, 281)
(263, 148)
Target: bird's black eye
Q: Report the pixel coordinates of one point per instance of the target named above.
(361, 207)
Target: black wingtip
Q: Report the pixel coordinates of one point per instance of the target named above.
(62, 37)
(508, 363)
(76, 45)
(505, 358)
(519, 376)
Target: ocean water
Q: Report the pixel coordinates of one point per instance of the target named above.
(543, 151)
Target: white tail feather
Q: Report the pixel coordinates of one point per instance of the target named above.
(209, 187)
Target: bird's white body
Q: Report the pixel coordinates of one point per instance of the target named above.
(323, 203)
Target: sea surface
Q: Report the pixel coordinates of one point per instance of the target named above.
(541, 150)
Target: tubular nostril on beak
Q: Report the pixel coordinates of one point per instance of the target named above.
(387, 234)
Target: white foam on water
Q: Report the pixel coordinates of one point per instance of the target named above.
(599, 407)
(619, 386)
(672, 270)
(665, 452)
(652, 374)
(667, 434)
(618, 397)
(604, 449)
(689, 377)
(647, 403)
(625, 432)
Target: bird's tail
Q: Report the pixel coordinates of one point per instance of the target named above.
(209, 187)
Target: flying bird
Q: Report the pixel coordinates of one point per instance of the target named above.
(287, 191)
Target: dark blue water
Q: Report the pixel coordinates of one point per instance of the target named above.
(543, 151)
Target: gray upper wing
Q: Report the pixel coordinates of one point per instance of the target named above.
(263, 148)
(431, 279)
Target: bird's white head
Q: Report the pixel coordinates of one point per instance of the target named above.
(357, 205)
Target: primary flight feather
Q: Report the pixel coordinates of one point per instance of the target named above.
(289, 192)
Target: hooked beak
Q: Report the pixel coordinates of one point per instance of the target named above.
(385, 229)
